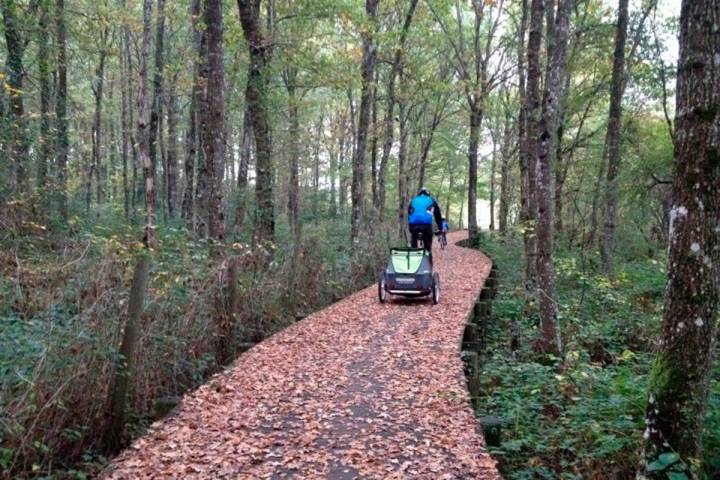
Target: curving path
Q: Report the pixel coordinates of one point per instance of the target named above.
(357, 390)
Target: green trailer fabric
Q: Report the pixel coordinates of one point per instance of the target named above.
(407, 261)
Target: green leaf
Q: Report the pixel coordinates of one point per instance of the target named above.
(668, 458)
(656, 466)
(677, 476)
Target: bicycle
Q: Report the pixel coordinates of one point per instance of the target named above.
(442, 238)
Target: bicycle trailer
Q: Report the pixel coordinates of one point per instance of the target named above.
(409, 273)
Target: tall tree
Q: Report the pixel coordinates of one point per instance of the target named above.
(242, 177)
(191, 137)
(388, 121)
(158, 84)
(617, 86)
(529, 145)
(61, 140)
(213, 119)
(260, 50)
(369, 49)
(96, 166)
(125, 107)
(124, 366)
(473, 70)
(15, 44)
(171, 170)
(290, 74)
(45, 138)
(557, 32)
(678, 386)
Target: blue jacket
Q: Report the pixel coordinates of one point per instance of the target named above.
(422, 209)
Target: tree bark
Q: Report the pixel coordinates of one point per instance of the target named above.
(403, 199)
(19, 141)
(493, 161)
(191, 137)
(532, 121)
(504, 207)
(97, 87)
(557, 32)
(158, 84)
(617, 85)
(126, 105)
(679, 379)
(316, 168)
(242, 179)
(171, 174)
(213, 120)
(475, 123)
(260, 49)
(143, 129)
(290, 78)
(61, 140)
(357, 193)
(45, 138)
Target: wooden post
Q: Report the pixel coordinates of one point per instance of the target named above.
(492, 430)
(471, 339)
(472, 361)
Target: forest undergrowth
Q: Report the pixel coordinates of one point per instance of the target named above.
(64, 300)
(581, 417)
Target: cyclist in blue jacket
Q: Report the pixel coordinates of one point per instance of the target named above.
(421, 211)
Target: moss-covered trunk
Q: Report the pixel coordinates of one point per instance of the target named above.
(678, 389)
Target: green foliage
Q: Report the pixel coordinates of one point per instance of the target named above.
(581, 417)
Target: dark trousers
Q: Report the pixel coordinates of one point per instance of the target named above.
(427, 236)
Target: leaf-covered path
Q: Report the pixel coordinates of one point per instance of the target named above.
(357, 390)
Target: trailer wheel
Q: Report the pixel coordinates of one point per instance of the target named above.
(382, 290)
(436, 289)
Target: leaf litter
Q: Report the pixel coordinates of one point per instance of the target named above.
(357, 390)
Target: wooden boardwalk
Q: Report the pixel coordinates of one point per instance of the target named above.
(357, 390)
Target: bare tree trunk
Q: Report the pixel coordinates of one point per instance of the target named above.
(242, 179)
(213, 120)
(374, 134)
(290, 78)
(316, 168)
(97, 87)
(560, 175)
(260, 49)
(19, 141)
(124, 114)
(426, 143)
(532, 118)
(607, 245)
(158, 81)
(61, 140)
(388, 129)
(333, 154)
(493, 161)
(680, 377)
(557, 32)
(191, 162)
(475, 123)
(213, 148)
(358, 163)
(504, 207)
(403, 199)
(45, 138)
(122, 377)
(171, 175)
(342, 180)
